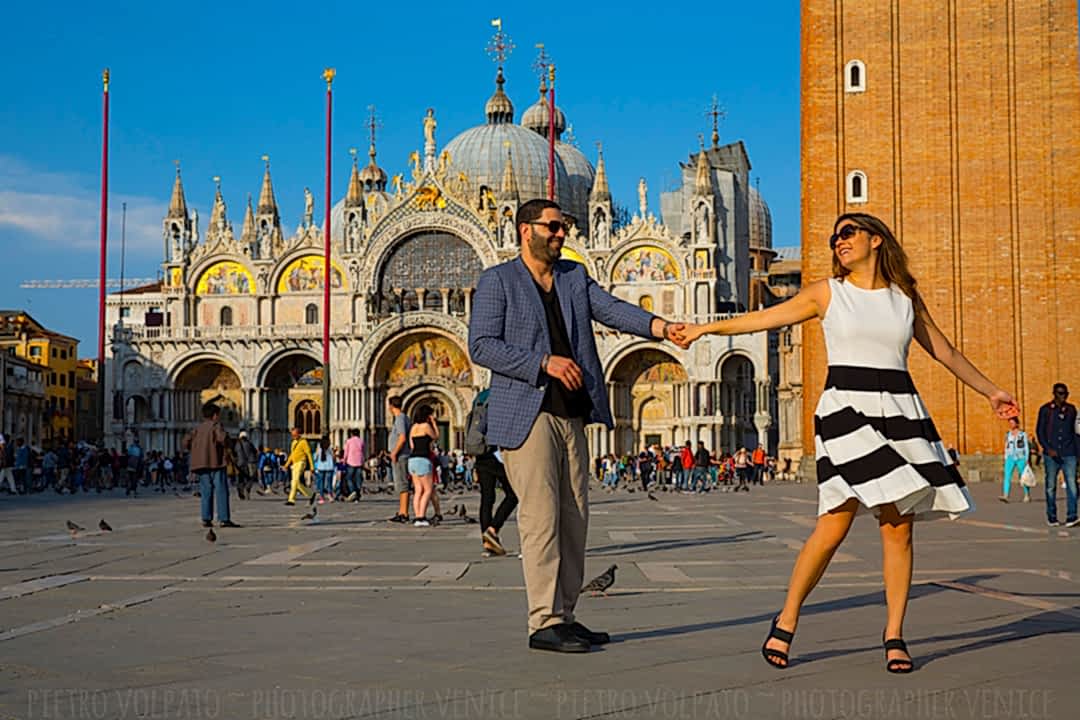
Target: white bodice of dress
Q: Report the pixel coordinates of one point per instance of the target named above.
(868, 328)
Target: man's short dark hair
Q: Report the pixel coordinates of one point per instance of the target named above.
(354, 432)
(209, 410)
(531, 212)
(1061, 386)
(395, 401)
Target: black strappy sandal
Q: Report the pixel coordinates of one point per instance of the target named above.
(771, 655)
(898, 666)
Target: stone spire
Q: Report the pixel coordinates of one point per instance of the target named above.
(178, 205)
(355, 196)
(218, 220)
(373, 178)
(600, 191)
(509, 182)
(247, 232)
(267, 203)
(703, 178)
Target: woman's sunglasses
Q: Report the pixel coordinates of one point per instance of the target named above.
(846, 233)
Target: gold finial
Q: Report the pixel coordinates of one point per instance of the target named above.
(717, 114)
(328, 75)
(177, 163)
(217, 181)
(500, 46)
(266, 159)
(105, 79)
(352, 151)
(551, 74)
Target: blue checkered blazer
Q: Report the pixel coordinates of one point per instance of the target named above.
(508, 334)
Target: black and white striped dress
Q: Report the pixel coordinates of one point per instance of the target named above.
(874, 439)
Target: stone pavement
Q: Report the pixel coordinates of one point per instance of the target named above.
(354, 617)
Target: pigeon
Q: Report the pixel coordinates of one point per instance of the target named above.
(461, 512)
(73, 528)
(653, 497)
(104, 525)
(601, 582)
(210, 535)
(453, 512)
(311, 515)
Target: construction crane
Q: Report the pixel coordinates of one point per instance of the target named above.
(110, 283)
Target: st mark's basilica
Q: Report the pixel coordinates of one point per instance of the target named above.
(236, 317)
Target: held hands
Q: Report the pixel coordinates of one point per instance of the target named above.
(683, 334)
(1003, 404)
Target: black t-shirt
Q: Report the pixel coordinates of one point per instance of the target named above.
(558, 400)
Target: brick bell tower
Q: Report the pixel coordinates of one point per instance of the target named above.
(958, 124)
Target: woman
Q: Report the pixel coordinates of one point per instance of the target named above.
(877, 448)
(324, 471)
(742, 469)
(422, 437)
(1016, 457)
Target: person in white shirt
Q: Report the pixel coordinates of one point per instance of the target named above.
(1016, 459)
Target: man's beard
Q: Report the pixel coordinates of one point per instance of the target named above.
(542, 250)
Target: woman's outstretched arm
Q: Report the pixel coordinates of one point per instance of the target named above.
(938, 347)
(810, 302)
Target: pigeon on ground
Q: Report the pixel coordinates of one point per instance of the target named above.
(601, 582)
(453, 512)
(210, 535)
(653, 497)
(311, 515)
(104, 525)
(73, 528)
(461, 511)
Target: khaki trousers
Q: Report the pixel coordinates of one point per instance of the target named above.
(550, 474)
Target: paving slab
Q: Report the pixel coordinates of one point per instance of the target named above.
(355, 617)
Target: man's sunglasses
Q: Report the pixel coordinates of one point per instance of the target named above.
(1062, 393)
(553, 226)
(845, 233)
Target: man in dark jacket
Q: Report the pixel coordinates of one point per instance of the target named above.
(206, 443)
(247, 460)
(1056, 430)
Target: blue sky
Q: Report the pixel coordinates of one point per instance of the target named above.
(218, 85)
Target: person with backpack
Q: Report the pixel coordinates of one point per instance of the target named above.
(490, 473)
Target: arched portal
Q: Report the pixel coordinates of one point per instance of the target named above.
(205, 381)
(643, 390)
(738, 402)
(293, 398)
(426, 366)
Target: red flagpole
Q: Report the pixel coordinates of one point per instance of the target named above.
(328, 75)
(104, 237)
(551, 134)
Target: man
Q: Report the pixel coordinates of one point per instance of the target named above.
(7, 465)
(354, 466)
(22, 465)
(134, 465)
(532, 327)
(702, 461)
(247, 459)
(299, 459)
(206, 443)
(686, 459)
(268, 467)
(399, 457)
(758, 459)
(1056, 430)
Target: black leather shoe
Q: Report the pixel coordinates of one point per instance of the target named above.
(593, 638)
(558, 638)
(229, 524)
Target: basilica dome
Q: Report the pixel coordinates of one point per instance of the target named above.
(760, 221)
(481, 153)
